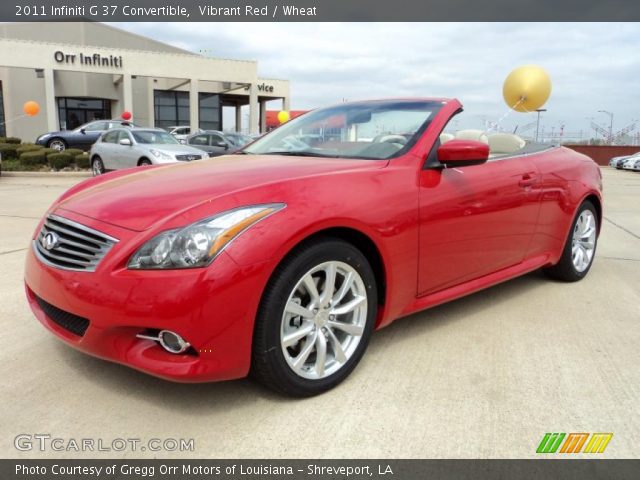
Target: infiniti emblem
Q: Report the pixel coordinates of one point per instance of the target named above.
(50, 241)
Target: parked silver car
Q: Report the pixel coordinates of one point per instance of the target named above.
(212, 141)
(125, 148)
(181, 132)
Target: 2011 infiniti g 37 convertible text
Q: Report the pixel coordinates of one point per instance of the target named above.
(281, 260)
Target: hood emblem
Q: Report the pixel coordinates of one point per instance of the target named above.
(50, 241)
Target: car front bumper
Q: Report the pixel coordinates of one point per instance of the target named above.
(212, 308)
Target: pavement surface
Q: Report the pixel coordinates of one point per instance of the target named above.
(482, 377)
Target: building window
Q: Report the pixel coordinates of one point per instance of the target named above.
(3, 130)
(171, 108)
(210, 111)
(73, 112)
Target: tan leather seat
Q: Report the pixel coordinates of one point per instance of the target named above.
(505, 143)
(445, 137)
(477, 135)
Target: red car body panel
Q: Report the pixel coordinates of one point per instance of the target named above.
(439, 234)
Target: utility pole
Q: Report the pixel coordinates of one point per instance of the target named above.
(539, 110)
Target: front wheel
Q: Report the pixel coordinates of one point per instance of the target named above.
(580, 247)
(315, 318)
(57, 144)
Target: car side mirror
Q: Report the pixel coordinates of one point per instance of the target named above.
(125, 141)
(460, 153)
(223, 144)
(83, 131)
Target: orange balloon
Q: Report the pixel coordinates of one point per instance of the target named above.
(31, 108)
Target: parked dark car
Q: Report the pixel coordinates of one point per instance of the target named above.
(213, 142)
(82, 137)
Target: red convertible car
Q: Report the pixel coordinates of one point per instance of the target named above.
(282, 259)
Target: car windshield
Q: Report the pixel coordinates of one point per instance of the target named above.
(153, 136)
(368, 130)
(239, 139)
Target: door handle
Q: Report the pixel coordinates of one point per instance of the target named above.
(528, 179)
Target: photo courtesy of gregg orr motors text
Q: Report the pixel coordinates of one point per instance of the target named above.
(40, 442)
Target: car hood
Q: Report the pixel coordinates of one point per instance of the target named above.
(148, 195)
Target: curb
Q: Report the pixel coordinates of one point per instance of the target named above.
(48, 174)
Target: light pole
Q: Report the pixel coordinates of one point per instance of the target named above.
(610, 124)
(539, 110)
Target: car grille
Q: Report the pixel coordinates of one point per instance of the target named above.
(70, 322)
(68, 245)
(188, 158)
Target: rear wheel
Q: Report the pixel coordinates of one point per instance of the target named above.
(580, 248)
(97, 167)
(143, 162)
(315, 318)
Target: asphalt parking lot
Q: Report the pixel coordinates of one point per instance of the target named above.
(482, 377)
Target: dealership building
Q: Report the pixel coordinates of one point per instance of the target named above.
(83, 71)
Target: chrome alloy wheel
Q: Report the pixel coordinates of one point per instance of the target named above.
(57, 145)
(324, 320)
(584, 241)
(96, 167)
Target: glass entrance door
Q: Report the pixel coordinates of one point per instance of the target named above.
(74, 112)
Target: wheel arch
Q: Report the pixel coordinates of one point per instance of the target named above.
(362, 242)
(597, 203)
(141, 159)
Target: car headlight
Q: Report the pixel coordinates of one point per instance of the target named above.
(199, 243)
(160, 154)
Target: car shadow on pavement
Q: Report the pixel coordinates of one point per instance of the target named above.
(207, 398)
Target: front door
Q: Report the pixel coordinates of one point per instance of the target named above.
(475, 220)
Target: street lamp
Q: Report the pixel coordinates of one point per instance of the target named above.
(610, 124)
(539, 110)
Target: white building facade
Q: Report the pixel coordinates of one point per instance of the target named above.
(81, 71)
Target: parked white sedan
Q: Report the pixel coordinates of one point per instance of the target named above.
(126, 148)
(632, 163)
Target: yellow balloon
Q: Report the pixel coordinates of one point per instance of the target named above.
(283, 116)
(527, 88)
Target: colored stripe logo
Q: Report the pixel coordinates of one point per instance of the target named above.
(574, 442)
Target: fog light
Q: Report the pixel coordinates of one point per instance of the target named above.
(170, 341)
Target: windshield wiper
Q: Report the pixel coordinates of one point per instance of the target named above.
(302, 154)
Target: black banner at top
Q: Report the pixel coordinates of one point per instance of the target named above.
(319, 10)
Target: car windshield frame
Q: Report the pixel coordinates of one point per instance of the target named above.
(359, 113)
(160, 133)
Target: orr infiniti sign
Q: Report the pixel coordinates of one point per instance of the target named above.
(93, 59)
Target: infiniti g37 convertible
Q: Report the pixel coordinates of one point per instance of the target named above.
(282, 259)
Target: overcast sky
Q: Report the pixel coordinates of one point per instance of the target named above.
(593, 66)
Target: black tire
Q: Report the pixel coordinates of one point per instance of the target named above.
(57, 144)
(97, 167)
(269, 365)
(144, 162)
(565, 270)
